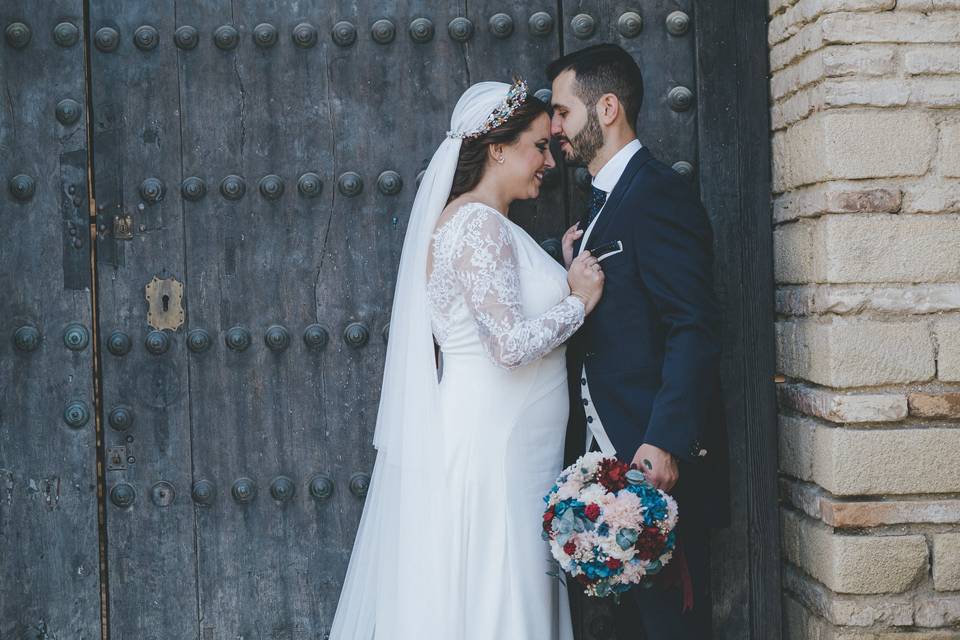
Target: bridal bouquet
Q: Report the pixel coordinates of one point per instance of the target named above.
(607, 526)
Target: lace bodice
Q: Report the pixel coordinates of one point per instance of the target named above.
(475, 274)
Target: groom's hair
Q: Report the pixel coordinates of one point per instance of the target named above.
(601, 69)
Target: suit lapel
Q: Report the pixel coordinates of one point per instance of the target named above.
(612, 206)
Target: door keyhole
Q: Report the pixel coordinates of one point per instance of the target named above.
(166, 303)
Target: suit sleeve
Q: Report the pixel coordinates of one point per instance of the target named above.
(675, 260)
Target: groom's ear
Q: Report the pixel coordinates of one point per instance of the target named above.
(608, 109)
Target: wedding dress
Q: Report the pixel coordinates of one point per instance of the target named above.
(449, 546)
(501, 312)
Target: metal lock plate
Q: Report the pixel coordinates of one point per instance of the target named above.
(165, 300)
(123, 227)
(116, 458)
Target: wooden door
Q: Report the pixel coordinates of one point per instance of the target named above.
(253, 167)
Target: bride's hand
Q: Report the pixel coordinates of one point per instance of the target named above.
(571, 236)
(586, 280)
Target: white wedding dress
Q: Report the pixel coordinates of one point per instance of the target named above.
(448, 546)
(501, 311)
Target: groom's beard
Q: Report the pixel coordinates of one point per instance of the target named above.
(588, 141)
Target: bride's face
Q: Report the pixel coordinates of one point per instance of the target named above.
(527, 158)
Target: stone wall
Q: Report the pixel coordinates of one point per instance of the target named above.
(865, 108)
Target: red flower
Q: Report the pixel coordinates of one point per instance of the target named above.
(612, 563)
(592, 512)
(548, 519)
(569, 548)
(583, 579)
(650, 544)
(612, 474)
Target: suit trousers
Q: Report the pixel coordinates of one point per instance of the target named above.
(658, 612)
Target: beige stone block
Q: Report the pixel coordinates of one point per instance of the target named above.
(932, 196)
(853, 145)
(889, 461)
(857, 60)
(874, 513)
(905, 299)
(890, 27)
(795, 108)
(892, 248)
(844, 352)
(890, 93)
(860, 28)
(947, 333)
(861, 564)
(949, 164)
(869, 248)
(809, 38)
(867, 462)
(944, 405)
(796, 446)
(797, 253)
(946, 562)
(859, 92)
(928, 5)
(859, 611)
(935, 59)
(789, 79)
(790, 21)
(835, 197)
(804, 496)
(790, 535)
(938, 612)
(844, 407)
(777, 6)
(838, 61)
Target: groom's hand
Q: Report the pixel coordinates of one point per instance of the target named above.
(569, 238)
(658, 465)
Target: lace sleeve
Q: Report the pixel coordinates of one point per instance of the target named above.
(486, 271)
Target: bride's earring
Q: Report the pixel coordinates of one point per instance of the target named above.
(500, 160)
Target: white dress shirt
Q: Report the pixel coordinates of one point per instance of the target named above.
(606, 179)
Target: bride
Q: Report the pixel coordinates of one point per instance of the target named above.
(469, 442)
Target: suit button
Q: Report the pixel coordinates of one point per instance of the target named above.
(589, 418)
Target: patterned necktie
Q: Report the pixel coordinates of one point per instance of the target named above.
(597, 198)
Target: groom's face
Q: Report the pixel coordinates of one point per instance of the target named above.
(575, 126)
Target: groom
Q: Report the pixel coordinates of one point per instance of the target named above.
(645, 365)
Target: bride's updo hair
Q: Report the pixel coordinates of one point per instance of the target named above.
(473, 152)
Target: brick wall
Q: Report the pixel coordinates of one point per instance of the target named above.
(865, 108)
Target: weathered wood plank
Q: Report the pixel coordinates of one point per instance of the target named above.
(735, 183)
(150, 543)
(48, 483)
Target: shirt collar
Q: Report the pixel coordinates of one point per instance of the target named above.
(608, 176)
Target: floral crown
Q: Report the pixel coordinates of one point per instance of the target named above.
(516, 96)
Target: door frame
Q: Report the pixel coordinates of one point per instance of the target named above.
(735, 173)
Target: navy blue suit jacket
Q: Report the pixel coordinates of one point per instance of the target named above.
(651, 347)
